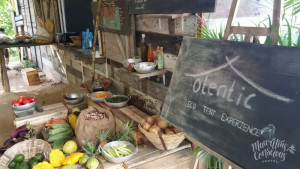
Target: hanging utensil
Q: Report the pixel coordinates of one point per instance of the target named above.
(49, 24)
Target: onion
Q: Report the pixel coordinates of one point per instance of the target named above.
(150, 120)
(146, 126)
(154, 129)
(169, 132)
(176, 130)
(162, 124)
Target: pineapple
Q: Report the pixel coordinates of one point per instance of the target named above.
(103, 137)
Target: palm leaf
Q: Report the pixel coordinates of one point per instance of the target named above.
(277, 34)
(298, 41)
(289, 33)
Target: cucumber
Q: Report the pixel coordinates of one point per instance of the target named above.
(61, 136)
(58, 130)
(60, 125)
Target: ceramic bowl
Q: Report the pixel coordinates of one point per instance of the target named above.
(119, 159)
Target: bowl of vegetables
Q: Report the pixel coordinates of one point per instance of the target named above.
(99, 96)
(118, 151)
(117, 100)
(23, 103)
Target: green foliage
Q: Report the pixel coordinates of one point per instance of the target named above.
(292, 4)
(124, 135)
(205, 32)
(212, 162)
(5, 17)
(27, 64)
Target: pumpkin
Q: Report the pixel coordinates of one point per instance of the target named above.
(43, 165)
(72, 159)
(56, 157)
(72, 120)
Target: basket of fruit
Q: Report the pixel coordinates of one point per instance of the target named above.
(25, 154)
(23, 103)
(160, 133)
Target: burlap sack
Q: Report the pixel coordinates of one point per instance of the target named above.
(87, 130)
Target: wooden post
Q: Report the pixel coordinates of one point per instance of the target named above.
(4, 77)
(276, 21)
(231, 17)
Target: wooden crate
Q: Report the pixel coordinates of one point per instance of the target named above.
(37, 118)
(30, 76)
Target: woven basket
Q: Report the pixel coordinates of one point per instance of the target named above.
(88, 86)
(162, 141)
(76, 40)
(28, 148)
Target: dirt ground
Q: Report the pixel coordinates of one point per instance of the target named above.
(46, 93)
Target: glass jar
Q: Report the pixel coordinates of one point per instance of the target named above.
(97, 86)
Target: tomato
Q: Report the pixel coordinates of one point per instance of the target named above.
(21, 97)
(31, 99)
(20, 100)
(17, 104)
(14, 101)
(26, 102)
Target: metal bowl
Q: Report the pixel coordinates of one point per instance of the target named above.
(119, 159)
(78, 97)
(126, 62)
(117, 105)
(97, 99)
(24, 107)
(144, 67)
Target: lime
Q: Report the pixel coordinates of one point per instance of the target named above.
(32, 162)
(23, 165)
(39, 157)
(19, 158)
(12, 164)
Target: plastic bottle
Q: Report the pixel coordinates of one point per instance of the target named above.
(83, 37)
(89, 39)
(160, 59)
(150, 55)
(143, 49)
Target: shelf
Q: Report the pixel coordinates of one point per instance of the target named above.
(22, 45)
(172, 16)
(154, 73)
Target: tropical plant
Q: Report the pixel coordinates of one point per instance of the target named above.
(5, 17)
(212, 162)
(292, 4)
(27, 64)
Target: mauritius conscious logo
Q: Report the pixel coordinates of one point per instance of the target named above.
(274, 151)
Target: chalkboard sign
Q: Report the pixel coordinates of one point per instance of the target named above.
(241, 100)
(170, 6)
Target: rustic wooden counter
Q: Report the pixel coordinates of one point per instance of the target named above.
(84, 55)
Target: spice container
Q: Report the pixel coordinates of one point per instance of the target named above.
(150, 55)
(143, 49)
(159, 57)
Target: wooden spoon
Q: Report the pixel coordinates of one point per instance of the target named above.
(49, 24)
